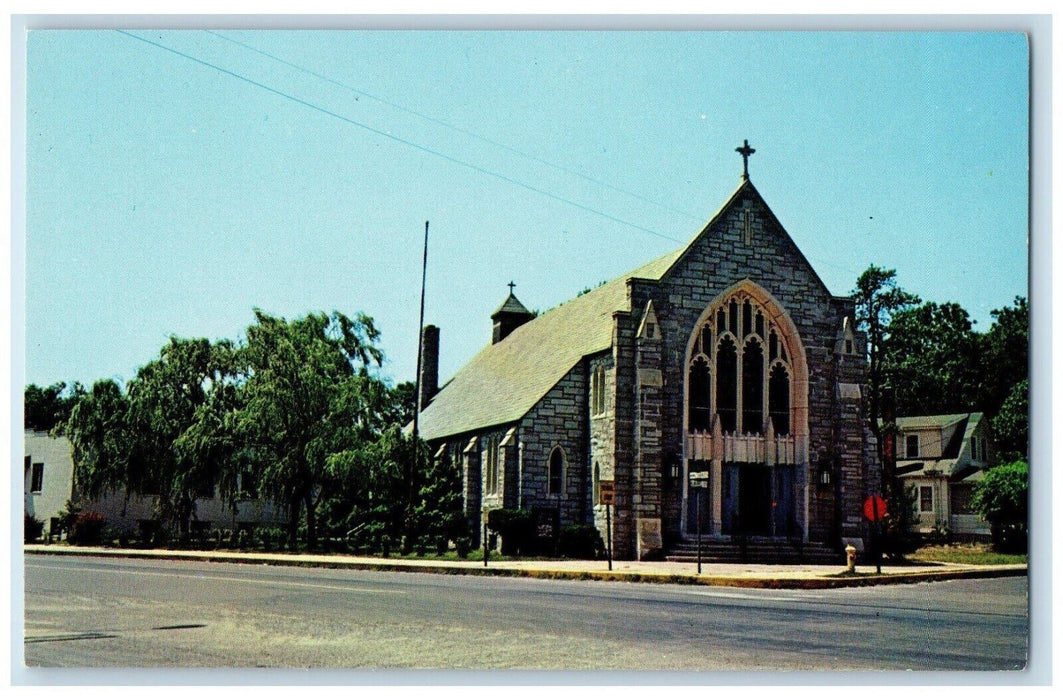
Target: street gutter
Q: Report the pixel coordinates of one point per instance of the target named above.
(519, 569)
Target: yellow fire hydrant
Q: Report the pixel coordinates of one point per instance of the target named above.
(850, 558)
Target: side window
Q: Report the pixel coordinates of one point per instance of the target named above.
(556, 472)
(911, 446)
(37, 477)
(926, 499)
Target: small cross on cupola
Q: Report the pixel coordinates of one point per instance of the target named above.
(746, 151)
(511, 285)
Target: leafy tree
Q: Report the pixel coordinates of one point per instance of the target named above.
(1002, 500)
(878, 299)
(99, 435)
(931, 357)
(439, 511)
(1005, 354)
(300, 383)
(143, 440)
(47, 407)
(1011, 424)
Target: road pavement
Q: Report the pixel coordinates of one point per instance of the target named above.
(107, 612)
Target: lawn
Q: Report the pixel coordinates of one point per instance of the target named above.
(965, 554)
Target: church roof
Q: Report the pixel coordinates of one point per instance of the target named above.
(505, 380)
(511, 305)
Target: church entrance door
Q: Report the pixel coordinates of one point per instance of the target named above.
(747, 502)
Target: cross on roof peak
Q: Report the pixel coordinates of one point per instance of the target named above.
(511, 285)
(746, 151)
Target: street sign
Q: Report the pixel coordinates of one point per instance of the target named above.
(699, 478)
(606, 492)
(874, 508)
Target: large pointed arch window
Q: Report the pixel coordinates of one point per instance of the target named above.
(739, 370)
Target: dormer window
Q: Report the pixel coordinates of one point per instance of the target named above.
(911, 446)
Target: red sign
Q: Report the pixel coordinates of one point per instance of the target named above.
(874, 508)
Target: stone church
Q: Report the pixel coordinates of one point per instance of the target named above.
(717, 390)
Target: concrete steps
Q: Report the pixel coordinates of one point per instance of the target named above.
(754, 550)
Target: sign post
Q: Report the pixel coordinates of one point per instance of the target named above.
(875, 511)
(484, 540)
(606, 494)
(698, 481)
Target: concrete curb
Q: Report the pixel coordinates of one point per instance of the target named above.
(508, 569)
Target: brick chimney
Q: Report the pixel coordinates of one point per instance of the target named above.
(429, 365)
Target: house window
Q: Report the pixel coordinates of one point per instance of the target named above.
(556, 472)
(246, 486)
(37, 477)
(926, 499)
(699, 414)
(595, 489)
(911, 446)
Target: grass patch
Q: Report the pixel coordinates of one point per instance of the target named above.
(965, 554)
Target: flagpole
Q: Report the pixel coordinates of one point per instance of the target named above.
(417, 382)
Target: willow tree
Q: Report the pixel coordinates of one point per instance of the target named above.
(302, 401)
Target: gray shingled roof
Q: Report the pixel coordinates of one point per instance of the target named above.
(511, 305)
(505, 380)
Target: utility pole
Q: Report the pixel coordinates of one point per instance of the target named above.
(417, 389)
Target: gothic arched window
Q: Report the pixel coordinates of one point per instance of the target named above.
(700, 413)
(556, 473)
(739, 369)
(779, 399)
(752, 386)
(727, 385)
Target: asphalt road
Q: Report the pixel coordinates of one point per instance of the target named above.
(85, 612)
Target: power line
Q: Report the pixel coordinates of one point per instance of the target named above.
(403, 141)
(466, 132)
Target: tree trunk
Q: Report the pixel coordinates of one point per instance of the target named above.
(311, 523)
(293, 523)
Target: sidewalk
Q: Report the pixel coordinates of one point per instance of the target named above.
(735, 575)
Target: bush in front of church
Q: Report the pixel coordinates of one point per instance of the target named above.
(580, 541)
(516, 528)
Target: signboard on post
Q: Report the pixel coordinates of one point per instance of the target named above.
(699, 479)
(874, 508)
(606, 492)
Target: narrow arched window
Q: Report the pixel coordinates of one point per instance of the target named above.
(556, 471)
(595, 489)
(727, 385)
(779, 400)
(752, 387)
(699, 410)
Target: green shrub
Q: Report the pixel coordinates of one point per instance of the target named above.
(516, 528)
(580, 541)
(462, 545)
(1002, 500)
(385, 545)
(88, 528)
(442, 545)
(420, 547)
(32, 529)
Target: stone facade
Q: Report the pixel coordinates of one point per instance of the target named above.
(621, 414)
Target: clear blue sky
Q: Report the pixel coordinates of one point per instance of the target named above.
(166, 197)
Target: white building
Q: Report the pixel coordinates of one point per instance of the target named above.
(944, 457)
(49, 484)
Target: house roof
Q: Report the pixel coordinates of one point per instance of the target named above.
(941, 421)
(505, 380)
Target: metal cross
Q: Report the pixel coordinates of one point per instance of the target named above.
(511, 285)
(746, 151)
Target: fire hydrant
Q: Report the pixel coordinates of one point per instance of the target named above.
(850, 558)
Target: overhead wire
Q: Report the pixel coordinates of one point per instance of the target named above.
(454, 127)
(378, 132)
